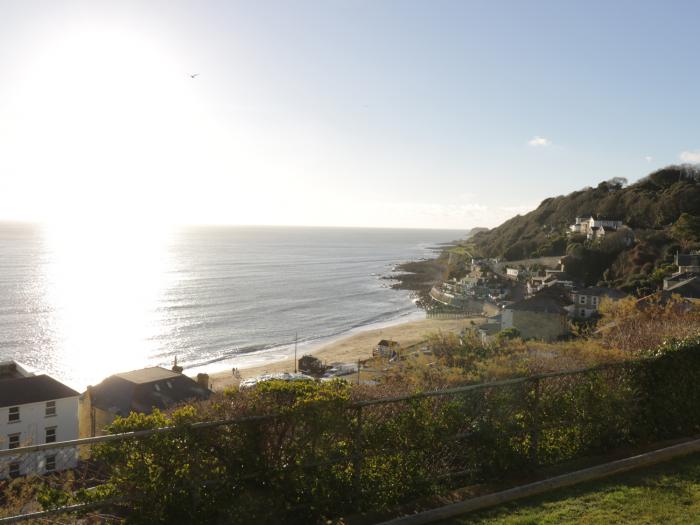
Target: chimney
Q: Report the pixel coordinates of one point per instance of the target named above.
(203, 380)
(175, 368)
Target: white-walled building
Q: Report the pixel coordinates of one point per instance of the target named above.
(513, 273)
(595, 227)
(35, 409)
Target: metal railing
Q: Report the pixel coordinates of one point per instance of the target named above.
(486, 431)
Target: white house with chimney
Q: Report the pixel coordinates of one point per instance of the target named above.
(595, 227)
(35, 409)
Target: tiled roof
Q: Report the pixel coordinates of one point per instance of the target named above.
(147, 375)
(539, 303)
(600, 291)
(144, 390)
(32, 389)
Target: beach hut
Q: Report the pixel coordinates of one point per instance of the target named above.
(386, 348)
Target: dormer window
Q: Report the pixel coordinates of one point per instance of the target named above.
(13, 415)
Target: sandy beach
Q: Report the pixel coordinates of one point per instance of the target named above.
(351, 348)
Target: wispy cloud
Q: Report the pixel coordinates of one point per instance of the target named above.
(690, 156)
(538, 142)
(461, 213)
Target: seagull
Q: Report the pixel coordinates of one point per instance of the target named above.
(194, 75)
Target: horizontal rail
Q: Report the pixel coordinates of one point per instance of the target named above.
(247, 419)
(129, 435)
(604, 470)
(80, 507)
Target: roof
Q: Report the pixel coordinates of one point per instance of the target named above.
(540, 303)
(387, 342)
(600, 291)
(688, 288)
(143, 390)
(148, 375)
(688, 259)
(32, 389)
(607, 218)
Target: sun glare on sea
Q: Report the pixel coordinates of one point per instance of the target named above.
(103, 282)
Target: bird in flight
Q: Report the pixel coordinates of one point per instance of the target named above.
(195, 75)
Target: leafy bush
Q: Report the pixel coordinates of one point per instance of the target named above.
(303, 452)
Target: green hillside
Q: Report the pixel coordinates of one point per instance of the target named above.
(662, 209)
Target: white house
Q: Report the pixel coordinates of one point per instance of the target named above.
(595, 227)
(35, 409)
(513, 273)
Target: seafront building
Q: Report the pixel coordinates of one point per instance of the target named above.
(136, 391)
(35, 409)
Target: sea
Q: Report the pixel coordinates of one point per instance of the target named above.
(81, 302)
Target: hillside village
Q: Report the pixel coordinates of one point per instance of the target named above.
(574, 265)
(540, 298)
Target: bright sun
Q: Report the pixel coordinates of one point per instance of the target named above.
(106, 126)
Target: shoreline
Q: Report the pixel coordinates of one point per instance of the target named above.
(284, 352)
(348, 348)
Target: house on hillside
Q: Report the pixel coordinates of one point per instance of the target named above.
(587, 300)
(537, 283)
(513, 273)
(687, 262)
(136, 391)
(553, 277)
(595, 227)
(489, 330)
(686, 284)
(35, 409)
(542, 316)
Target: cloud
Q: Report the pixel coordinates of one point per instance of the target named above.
(538, 141)
(648, 158)
(692, 157)
(458, 214)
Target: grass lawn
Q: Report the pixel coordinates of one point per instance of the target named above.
(666, 493)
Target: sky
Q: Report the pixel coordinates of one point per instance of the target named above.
(419, 114)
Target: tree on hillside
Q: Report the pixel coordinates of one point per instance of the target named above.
(686, 229)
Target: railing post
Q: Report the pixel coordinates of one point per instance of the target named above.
(357, 459)
(535, 423)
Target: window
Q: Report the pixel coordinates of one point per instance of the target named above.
(14, 470)
(51, 435)
(13, 415)
(51, 463)
(582, 313)
(582, 299)
(13, 441)
(50, 408)
(594, 301)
